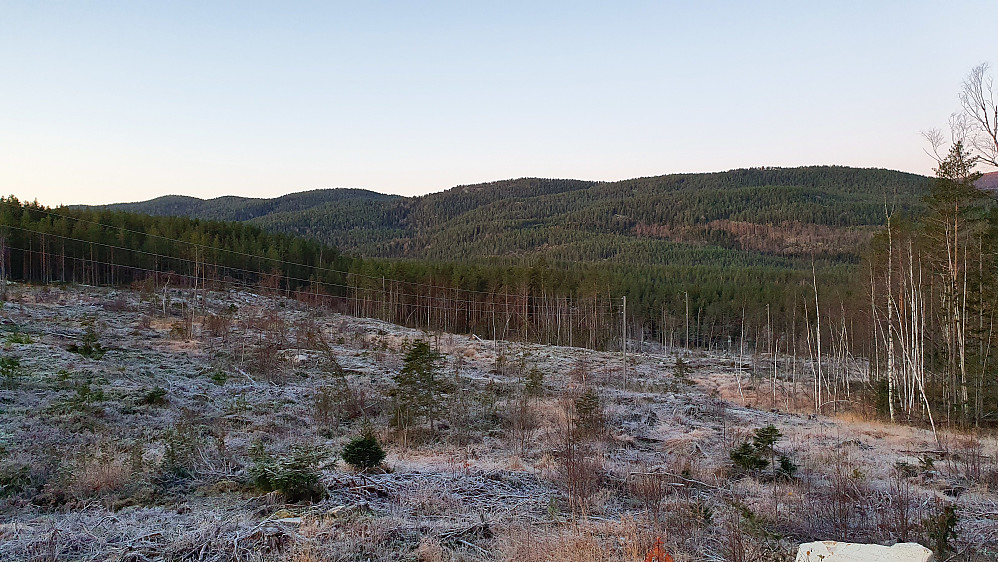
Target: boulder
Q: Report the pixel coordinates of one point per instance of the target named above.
(833, 551)
(361, 508)
(282, 514)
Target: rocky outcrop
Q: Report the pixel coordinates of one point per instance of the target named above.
(833, 551)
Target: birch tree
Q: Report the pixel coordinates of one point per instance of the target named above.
(980, 113)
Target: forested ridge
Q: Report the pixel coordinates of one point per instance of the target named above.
(824, 211)
(702, 257)
(724, 245)
(234, 208)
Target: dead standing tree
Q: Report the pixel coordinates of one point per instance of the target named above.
(3, 265)
(900, 321)
(980, 114)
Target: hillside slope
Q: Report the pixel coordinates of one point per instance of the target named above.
(152, 448)
(988, 182)
(826, 211)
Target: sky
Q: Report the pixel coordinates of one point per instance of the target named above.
(125, 101)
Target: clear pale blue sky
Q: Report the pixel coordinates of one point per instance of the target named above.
(103, 102)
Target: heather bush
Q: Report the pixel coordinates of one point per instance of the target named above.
(155, 397)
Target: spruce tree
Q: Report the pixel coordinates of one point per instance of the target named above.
(420, 387)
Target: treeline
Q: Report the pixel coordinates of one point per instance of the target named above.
(567, 302)
(100, 247)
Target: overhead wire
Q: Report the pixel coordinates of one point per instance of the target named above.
(545, 308)
(245, 254)
(443, 298)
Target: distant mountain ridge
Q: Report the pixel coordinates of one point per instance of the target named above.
(755, 215)
(235, 208)
(988, 182)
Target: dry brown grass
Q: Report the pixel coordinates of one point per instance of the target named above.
(625, 540)
(217, 325)
(430, 550)
(429, 498)
(98, 475)
(584, 543)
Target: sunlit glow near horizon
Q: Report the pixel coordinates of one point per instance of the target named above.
(123, 102)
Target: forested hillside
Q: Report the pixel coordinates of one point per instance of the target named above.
(822, 211)
(762, 259)
(710, 251)
(104, 247)
(670, 286)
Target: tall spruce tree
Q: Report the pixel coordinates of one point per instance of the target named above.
(955, 227)
(420, 387)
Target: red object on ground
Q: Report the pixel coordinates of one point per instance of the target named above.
(658, 554)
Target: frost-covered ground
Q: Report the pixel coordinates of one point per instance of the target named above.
(139, 448)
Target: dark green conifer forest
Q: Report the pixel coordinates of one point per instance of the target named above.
(805, 261)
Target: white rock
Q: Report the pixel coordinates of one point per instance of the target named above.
(833, 551)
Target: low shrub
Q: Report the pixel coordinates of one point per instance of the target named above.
(363, 452)
(14, 479)
(89, 346)
(296, 474)
(18, 337)
(10, 370)
(155, 397)
(181, 444)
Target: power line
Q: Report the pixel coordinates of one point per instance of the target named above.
(538, 309)
(443, 298)
(244, 254)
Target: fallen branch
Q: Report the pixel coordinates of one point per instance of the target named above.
(245, 374)
(671, 475)
(474, 546)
